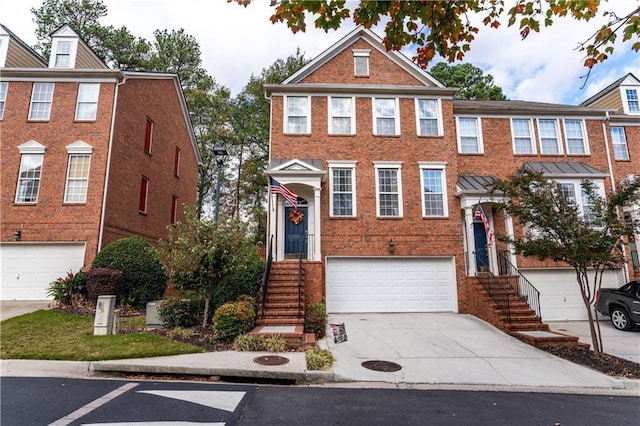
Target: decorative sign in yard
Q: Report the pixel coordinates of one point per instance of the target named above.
(339, 333)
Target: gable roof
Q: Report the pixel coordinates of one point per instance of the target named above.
(86, 57)
(16, 53)
(626, 79)
(376, 42)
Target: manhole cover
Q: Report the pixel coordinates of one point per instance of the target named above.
(271, 360)
(377, 365)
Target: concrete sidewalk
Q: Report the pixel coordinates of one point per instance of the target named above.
(434, 351)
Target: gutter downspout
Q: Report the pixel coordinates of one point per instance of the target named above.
(270, 228)
(625, 269)
(106, 174)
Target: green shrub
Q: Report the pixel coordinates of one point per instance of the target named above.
(315, 320)
(247, 279)
(318, 359)
(258, 343)
(144, 278)
(233, 319)
(69, 289)
(102, 281)
(178, 312)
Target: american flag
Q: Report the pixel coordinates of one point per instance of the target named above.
(483, 217)
(278, 188)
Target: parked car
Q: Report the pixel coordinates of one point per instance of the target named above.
(622, 305)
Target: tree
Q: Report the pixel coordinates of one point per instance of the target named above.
(590, 240)
(471, 80)
(443, 27)
(199, 253)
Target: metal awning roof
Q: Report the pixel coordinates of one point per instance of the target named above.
(564, 169)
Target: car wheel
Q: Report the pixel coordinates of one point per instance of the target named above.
(621, 320)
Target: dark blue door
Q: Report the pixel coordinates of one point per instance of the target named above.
(480, 238)
(295, 234)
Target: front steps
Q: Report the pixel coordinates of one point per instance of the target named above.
(284, 306)
(524, 324)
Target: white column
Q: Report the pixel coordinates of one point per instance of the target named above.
(471, 244)
(508, 225)
(316, 228)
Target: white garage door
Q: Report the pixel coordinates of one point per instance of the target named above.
(560, 298)
(28, 269)
(385, 284)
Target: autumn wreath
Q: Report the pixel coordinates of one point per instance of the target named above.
(296, 216)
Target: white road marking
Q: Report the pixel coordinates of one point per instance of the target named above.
(220, 400)
(154, 424)
(93, 405)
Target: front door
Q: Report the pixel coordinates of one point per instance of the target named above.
(295, 232)
(480, 238)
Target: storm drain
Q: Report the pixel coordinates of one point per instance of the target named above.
(271, 360)
(384, 366)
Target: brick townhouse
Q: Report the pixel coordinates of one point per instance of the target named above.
(389, 170)
(89, 155)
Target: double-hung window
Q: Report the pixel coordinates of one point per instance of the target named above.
(361, 62)
(388, 189)
(41, 98)
(31, 159)
(434, 191)
(575, 135)
(428, 117)
(77, 178)
(343, 188)
(619, 140)
(549, 140)
(87, 104)
(522, 140)
(385, 116)
(341, 116)
(569, 190)
(297, 118)
(3, 97)
(469, 135)
(632, 100)
(63, 53)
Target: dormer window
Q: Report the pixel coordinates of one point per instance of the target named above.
(63, 54)
(361, 62)
(632, 100)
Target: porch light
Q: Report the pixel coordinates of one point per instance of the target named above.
(17, 234)
(392, 246)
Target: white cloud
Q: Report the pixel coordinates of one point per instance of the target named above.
(236, 42)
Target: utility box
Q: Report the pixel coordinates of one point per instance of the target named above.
(153, 318)
(103, 324)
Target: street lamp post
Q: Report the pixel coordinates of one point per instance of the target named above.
(220, 152)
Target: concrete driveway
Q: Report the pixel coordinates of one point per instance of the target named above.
(448, 348)
(623, 344)
(13, 308)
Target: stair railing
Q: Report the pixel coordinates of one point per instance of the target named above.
(267, 271)
(497, 291)
(527, 292)
(300, 285)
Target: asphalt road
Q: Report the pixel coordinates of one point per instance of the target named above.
(57, 401)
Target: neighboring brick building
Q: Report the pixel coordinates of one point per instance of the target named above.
(389, 171)
(89, 155)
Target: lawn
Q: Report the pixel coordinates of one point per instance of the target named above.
(52, 335)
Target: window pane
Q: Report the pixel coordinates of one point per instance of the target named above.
(361, 64)
(433, 192)
(41, 101)
(619, 140)
(522, 136)
(63, 53)
(87, 106)
(388, 192)
(548, 137)
(77, 179)
(340, 115)
(342, 192)
(297, 114)
(575, 140)
(29, 178)
(468, 130)
(632, 100)
(3, 97)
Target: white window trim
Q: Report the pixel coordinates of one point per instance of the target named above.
(3, 99)
(286, 115)
(585, 138)
(531, 136)
(438, 116)
(625, 101)
(614, 144)
(442, 166)
(559, 144)
(359, 53)
(72, 53)
(478, 136)
(77, 148)
(29, 148)
(577, 186)
(4, 49)
(50, 102)
(339, 164)
(396, 116)
(388, 165)
(68, 179)
(352, 116)
(93, 101)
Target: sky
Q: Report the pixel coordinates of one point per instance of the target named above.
(237, 42)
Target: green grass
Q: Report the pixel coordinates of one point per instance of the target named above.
(53, 335)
